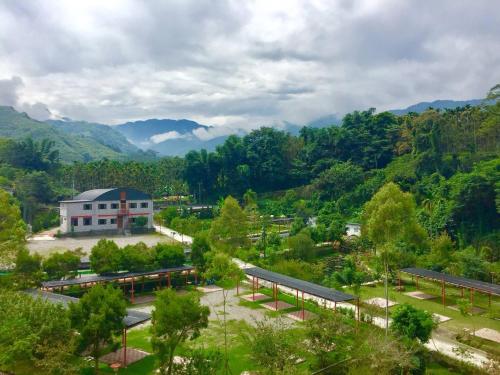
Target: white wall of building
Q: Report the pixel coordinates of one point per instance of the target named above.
(69, 210)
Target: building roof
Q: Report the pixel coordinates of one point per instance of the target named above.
(112, 194)
(133, 317)
(455, 280)
(301, 285)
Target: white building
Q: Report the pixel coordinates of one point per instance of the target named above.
(353, 229)
(105, 210)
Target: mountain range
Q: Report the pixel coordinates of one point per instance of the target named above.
(142, 140)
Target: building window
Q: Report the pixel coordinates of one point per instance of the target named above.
(144, 205)
(74, 221)
(87, 221)
(87, 206)
(132, 219)
(132, 205)
(103, 206)
(114, 206)
(101, 221)
(112, 221)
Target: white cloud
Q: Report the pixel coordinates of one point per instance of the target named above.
(237, 64)
(158, 138)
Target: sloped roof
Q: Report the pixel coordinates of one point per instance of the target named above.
(112, 194)
(301, 285)
(455, 280)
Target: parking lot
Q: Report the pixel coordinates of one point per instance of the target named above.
(50, 245)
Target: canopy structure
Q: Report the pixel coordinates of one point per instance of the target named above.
(462, 282)
(123, 277)
(302, 286)
(112, 277)
(132, 319)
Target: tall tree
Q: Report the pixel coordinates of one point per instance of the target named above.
(35, 334)
(227, 275)
(98, 316)
(175, 319)
(230, 229)
(12, 228)
(389, 219)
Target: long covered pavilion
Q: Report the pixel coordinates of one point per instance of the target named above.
(461, 282)
(124, 278)
(304, 287)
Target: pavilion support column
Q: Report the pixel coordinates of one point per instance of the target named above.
(169, 281)
(399, 281)
(143, 282)
(335, 306)
(195, 278)
(297, 298)
(462, 292)
(237, 287)
(443, 292)
(276, 297)
(253, 288)
(124, 344)
(303, 311)
(472, 296)
(416, 281)
(132, 291)
(358, 312)
(186, 278)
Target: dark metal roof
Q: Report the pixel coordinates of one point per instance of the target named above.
(455, 280)
(301, 285)
(112, 194)
(133, 317)
(108, 278)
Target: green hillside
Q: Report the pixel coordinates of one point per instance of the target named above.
(73, 140)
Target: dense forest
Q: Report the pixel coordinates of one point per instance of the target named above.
(448, 159)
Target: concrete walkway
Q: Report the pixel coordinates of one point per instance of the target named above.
(185, 239)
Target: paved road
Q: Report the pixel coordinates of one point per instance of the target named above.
(175, 235)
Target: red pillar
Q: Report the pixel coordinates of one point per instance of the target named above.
(132, 291)
(168, 280)
(124, 343)
(303, 312)
(335, 306)
(276, 297)
(399, 280)
(443, 292)
(297, 299)
(253, 288)
(186, 278)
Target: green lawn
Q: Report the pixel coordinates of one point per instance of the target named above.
(457, 322)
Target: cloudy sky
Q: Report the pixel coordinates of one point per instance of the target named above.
(242, 63)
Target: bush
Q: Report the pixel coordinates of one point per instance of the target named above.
(106, 257)
(169, 255)
(59, 265)
(136, 258)
(140, 222)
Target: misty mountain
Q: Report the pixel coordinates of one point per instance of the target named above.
(436, 104)
(76, 141)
